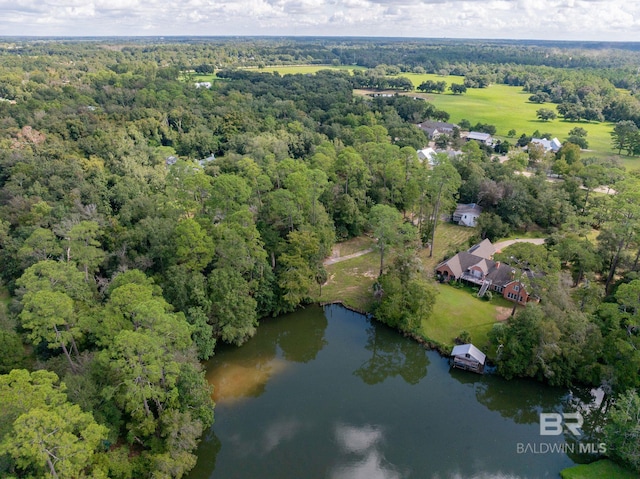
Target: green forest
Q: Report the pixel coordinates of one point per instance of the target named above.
(144, 219)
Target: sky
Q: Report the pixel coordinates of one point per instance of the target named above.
(610, 20)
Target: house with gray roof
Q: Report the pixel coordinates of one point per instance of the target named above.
(476, 266)
(480, 137)
(433, 129)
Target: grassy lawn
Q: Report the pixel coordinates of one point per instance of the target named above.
(351, 281)
(353, 246)
(531, 234)
(598, 470)
(457, 310)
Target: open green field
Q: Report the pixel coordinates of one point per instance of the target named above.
(598, 470)
(450, 238)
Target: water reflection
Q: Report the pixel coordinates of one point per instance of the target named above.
(592, 405)
(303, 339)
(498, 395)
(280, 431)
(363, 444)
(207, 453)
(245, 371)
(392, 356)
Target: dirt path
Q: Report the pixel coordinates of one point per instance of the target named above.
(504, 244)
(329, 261)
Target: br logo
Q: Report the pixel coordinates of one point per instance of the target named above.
(554, 424)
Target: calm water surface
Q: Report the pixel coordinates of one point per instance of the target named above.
(331, 394)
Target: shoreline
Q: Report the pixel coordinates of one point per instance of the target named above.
(425, 342)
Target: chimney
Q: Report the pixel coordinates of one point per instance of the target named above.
(497, 264)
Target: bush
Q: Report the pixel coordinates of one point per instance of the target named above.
(463, 338)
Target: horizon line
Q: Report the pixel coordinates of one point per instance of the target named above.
(294, 36)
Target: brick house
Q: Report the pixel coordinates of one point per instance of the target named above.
(477, 267)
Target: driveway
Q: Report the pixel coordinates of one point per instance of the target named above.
(504, 244)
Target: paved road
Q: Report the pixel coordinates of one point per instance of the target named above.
(504, 244)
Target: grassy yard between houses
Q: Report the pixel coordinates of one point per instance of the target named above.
(455, 310)
(598, 470)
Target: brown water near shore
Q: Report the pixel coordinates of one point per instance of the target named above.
(235, 381)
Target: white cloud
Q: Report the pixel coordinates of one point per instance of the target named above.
(548, 19)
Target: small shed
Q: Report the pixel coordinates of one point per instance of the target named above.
(468, 357)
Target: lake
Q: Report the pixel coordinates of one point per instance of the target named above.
(329, 393)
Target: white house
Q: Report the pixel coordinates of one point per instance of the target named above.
(548, 145)
(428, 154)
(203, 84)
(466, 215)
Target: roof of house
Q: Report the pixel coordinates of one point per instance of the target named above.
(484, 249)
(548, 145)
(471, 208)
(427, 154)
(501, 274)
(461, 262)
(479, 136)
(437, 125)
(479, 256)
(471, 350)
